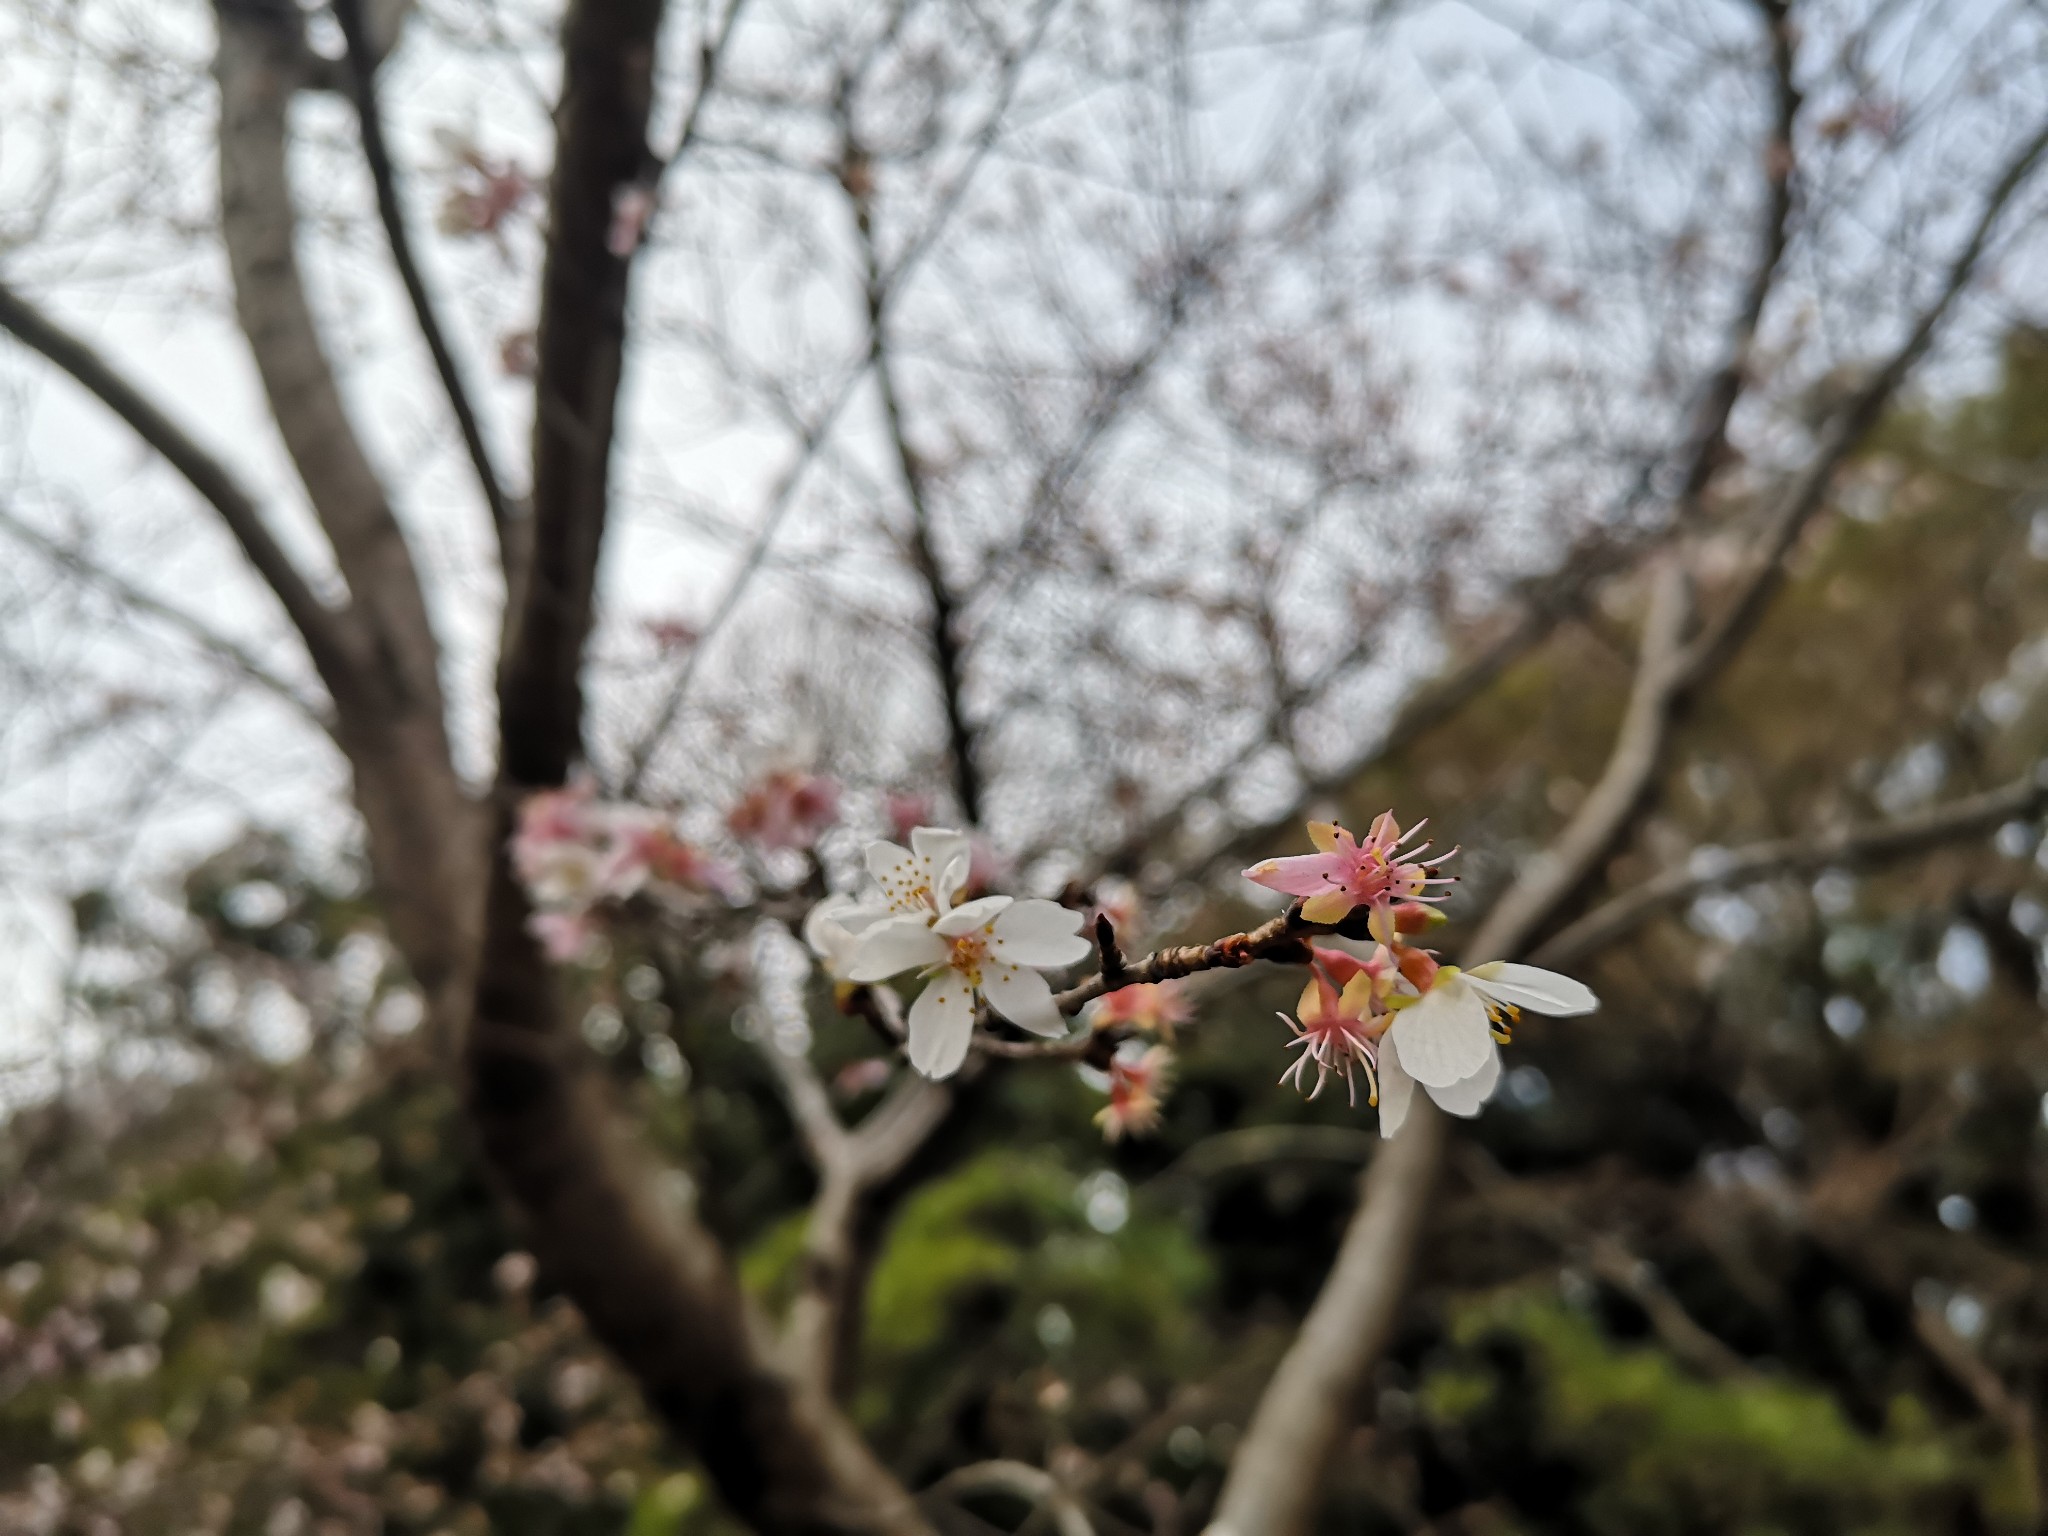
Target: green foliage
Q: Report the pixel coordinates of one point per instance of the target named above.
(1654, 1450)
(998, 1262)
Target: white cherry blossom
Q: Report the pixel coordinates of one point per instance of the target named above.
(923, 879)
(1446, 1039)
(833, 930)
(992, 947)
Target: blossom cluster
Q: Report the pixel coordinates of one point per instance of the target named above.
(575, 854)
(1398, 1015)
(988, 950)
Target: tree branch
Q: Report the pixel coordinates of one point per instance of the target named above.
(1021, 1480)
(1548, 602)
(325, 630)
(259, 64)
(422, 826)
(237, 657)
(1876, 843)
(856, 177)
(1273, 1480)
(363, 58)
(653, 1283)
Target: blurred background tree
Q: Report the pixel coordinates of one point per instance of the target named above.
(1120, 432)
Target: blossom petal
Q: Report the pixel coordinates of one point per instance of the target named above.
(1023, 997)
(1397, 1089)
(1538, 990)
(900, 944)
(947, 855)
(970, 915)
(939, 846)
(1304, 874)
(888, 862)
(1445, 1038)
(1326, 835)
(1469, 1097)
(1040, 933)
(942, 1025)
(1332, 904)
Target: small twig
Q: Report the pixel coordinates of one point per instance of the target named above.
(1106, 947)
(1900, 838)
(1284, 940)
(362, 76)
(1024, 1481)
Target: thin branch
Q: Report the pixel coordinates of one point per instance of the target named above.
(1548, 602)
(1843, 846)
(1808, 490)
(857, 178)
(1610, 1260)
(1022, 1480)
(259, 62)
(850, 1165)
(1273, 1482)
(363, 58)
(325, 630)
(783, 497)
(237, 657)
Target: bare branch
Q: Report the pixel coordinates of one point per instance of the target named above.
(1546, 603)
(1272, 1484)
(1842, 847)
(324, 630)
(363, 58)
(1275, 1478)
(856, 177)
(813, 436)
(1610, 1260)
(1026, 1482)
(1808, 490)
(259, 63)
(237, 657)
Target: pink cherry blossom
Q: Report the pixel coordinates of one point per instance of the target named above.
(786, 810)
(1344, 874)
(1138, 1077)
(565, 937)
(1337, 1031)
(1156, 1008)
(906, 810)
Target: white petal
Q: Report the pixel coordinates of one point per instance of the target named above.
(1538, 990)
(939, 846)
(1397, 1088)
(970, 915)
(947, 855)
(1470, 1096)
(1041, 933)
(1022, 997)
(942, 1025)
(952, 876)
(1444, 1038)
(889, 861)
(900, 944)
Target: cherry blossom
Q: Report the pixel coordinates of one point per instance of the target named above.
(566, 938)
(786, 810)
(924, 879)
(1138, 1078)
(1155, 1008)
(833, 929)
(1449, 1033)
(993, 948)
(1449, 1038)
(1344, 873)
(1337, 1031)
(574, 853)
